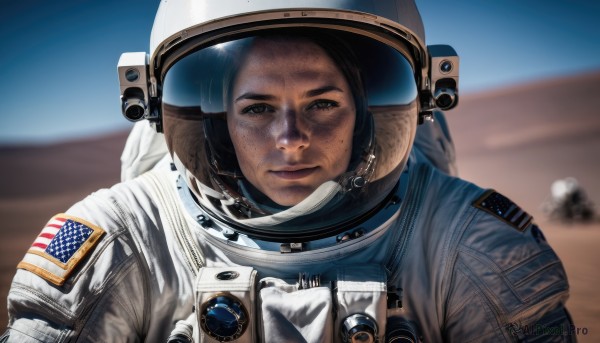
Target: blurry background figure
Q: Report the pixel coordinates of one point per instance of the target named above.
(568, 201)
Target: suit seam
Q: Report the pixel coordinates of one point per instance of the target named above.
(128, 220)
(452, 257)
(97, 304)
(497, 312)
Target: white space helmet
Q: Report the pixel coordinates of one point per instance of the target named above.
(221, 75)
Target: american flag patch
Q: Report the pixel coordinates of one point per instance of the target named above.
(57, 250)
(503, 208)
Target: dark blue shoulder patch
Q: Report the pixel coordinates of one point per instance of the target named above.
(501, 207)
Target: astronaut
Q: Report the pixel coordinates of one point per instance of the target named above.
(568, 201)
(284, 194)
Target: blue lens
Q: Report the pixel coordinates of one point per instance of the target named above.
(221, 321)
(224, 318)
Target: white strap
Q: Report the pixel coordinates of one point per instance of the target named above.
(159, 181)
(420, 176)
(315, 201)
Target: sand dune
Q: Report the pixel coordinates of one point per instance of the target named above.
(516, 140)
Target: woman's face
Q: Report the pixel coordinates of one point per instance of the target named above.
(291, 119)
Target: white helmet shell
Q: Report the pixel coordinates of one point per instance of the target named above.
(180, 20)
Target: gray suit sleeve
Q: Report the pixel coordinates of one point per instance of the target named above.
(508, 285)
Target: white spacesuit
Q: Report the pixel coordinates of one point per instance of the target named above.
(283, 199)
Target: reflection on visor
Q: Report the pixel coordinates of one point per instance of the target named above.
(200, 79)
(352, 103)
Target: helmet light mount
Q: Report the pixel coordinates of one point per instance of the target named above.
(136, 100)
(443, 81)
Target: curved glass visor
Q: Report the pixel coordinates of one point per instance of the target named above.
(281, 133)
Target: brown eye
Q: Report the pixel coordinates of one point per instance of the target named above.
(324, 105)
(256, 109)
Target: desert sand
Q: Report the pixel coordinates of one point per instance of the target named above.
(516, 140)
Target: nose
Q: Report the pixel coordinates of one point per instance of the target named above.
(292, 135)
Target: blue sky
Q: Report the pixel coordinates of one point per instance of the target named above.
(59, 80)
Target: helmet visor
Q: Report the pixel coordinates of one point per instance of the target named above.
(282, 132)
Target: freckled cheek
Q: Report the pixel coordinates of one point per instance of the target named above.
(335, 147)
(337, 136)
(248, 144)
